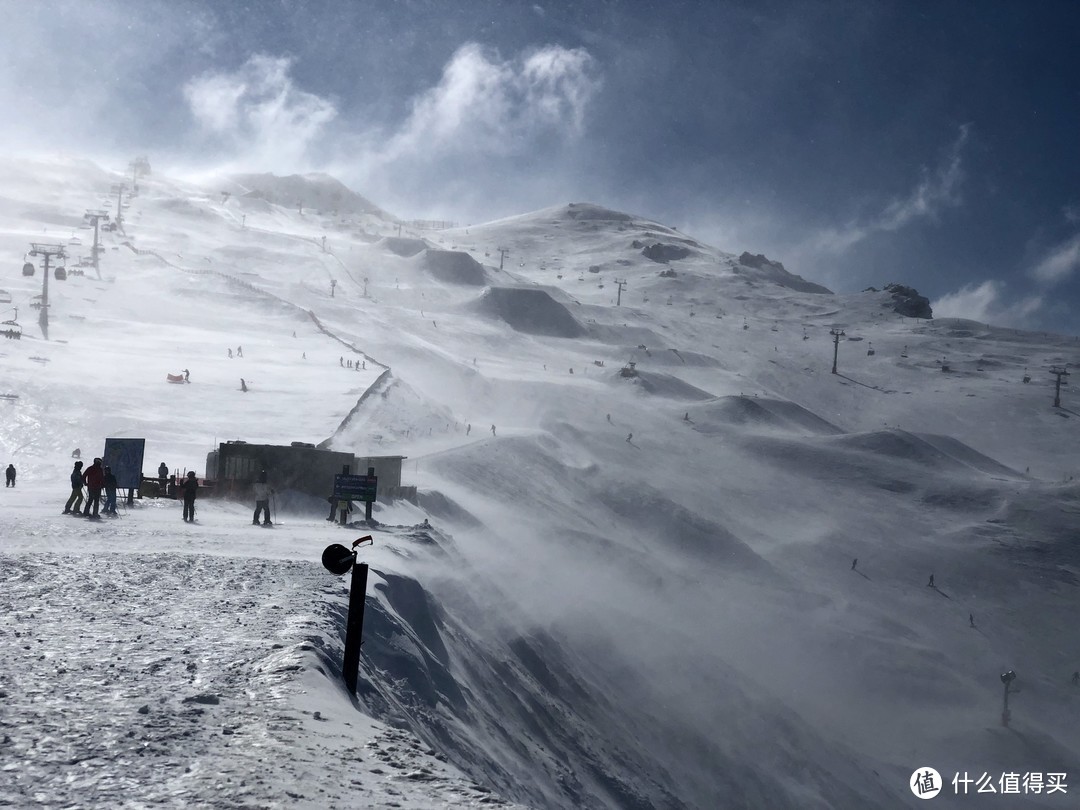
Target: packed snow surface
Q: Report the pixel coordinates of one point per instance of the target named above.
(659, 556)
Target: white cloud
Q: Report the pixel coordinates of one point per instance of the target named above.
(986, 302)
(1059, 263)
(484, 104)
(935, 190)
(259, 113)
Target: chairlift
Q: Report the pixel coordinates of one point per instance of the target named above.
(870, 350)
(904, 353)
(28, 269)
(1027, 377)
(11, 329)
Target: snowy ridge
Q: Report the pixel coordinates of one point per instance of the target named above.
(634, 590)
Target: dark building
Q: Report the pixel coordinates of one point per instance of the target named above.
(302, 467)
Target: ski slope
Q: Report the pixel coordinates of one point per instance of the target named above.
(589, 620)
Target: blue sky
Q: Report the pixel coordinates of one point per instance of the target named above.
(932, 143)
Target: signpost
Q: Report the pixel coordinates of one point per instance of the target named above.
(355, 488)
(125, 458)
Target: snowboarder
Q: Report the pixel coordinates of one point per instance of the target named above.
(110, 492)
(162, 476)
(191, 488)
(94, 478)
(971, 619)
(854, 563)
(187, 376)
(686, 416)
(262, 501)
(243, 385)
(76, 498)
(9, 476)
(492, 430)
(931, 584)
(239, 351)
(230, 354)
(629, 436)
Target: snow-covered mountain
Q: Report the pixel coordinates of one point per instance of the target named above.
(645, 493)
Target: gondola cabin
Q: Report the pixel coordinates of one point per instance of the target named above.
(60, 274)
(28, 269)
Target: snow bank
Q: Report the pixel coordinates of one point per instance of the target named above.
(532, 311)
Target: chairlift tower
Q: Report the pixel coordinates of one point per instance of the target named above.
(836, 335)
(48, 250)
(618, 297)
(96, 217)
(1059, 372)
(502, 255)
(119, 190)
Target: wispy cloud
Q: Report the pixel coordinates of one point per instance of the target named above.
(937, 189)
(258, 112)
(483, 103)
(987, 302)
(1059, 263)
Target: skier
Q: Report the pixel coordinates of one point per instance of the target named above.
(854, 563)
(305, 356)
(341, 362)
(191, 488)
(187, 376)
(931, 584)
(94, 478)
(9, 476)
(1076, 678)
(262, 500)
(239, 351)
(971, 619)
(468, 429)
(230, 354)
(162, 476)
(243, 385)
(686, 416)
(76, 498)
(629, 436)
(110, 492)
(492, 430)
(609, 419)
(365, 365)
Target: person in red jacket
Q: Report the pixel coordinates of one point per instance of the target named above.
(94, 478)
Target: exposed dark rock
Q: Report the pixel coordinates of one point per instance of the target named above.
(660, 252)
(908, 302)
(758, 260)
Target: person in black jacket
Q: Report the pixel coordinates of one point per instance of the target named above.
(75, 501)
(110, 492)
(190, 487)
(9, 476)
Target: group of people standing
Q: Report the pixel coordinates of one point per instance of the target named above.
(97, 479)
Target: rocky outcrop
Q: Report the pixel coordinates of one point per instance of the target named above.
(660, 252)
(907, 302)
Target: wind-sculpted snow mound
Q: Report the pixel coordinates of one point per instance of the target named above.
(939, 452)
(754, 412)
(402, 246)
(453, 267)
(388, 413)
(665, 385)
(529, 310)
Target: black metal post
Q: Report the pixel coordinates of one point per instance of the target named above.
(343, 514)
(354, 630)
(367, 504)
